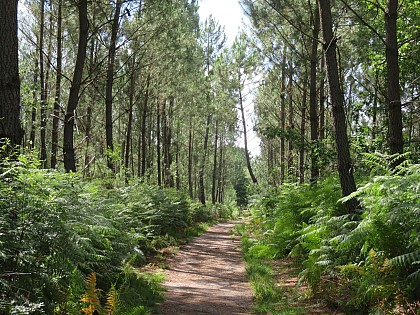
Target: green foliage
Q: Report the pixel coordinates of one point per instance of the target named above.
(261, 275)
(55, 230)
(365, 262)
(138, 291)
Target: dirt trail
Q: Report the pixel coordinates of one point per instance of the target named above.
(207, 276)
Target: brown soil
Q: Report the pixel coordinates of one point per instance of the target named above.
(207, 276)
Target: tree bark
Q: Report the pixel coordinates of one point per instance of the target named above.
(283, 120)
(190, 160)
(322, 99)
(248, 159)
(167, 142)
(110, 82)
(144, 128)
(130, 118)
(302, 132)
(214, 179)
(201, 188)
(68, 146)
(90, 105)
(34, 105)
(290, 126)
(345, 167)
(43, 156)
(57, 98)
(158, 140)
(10, 126)
(396, 141)
(313, 112)
(220, 186)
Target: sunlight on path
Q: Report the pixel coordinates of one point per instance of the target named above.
(207, 276)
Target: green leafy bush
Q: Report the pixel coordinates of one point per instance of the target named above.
(56, 229)
(364, 262)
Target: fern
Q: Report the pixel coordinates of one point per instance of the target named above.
(384, 164)
(90, 297)
(111, 301)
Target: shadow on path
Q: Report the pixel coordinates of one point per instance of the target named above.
(207, 276)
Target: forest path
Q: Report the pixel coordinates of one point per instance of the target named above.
(207, 276)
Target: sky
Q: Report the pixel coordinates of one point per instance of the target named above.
(229, 14)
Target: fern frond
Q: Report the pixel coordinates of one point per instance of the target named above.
(406, 259)
(90, 295)
(111, 301)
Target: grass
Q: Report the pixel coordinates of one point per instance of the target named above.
(271, 296)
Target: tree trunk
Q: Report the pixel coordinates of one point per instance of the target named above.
(68, 146)
(313, 112)
(130, 118)
(345, 167)
(91, 103)
(109, 84)
(158, 137)
(322, 100)
(144, 128)
(375, 105)
(283, 120)
(57, 98)
(10, 126)
(43, 124)
(167, 142)
(302, 133)
(396, 141)
(248, 159)
(34, 104)
(214, 179)
(190, 160)
(202, 194)
(291, 126)
(220, 186)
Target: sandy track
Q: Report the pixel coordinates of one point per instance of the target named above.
(207, 276)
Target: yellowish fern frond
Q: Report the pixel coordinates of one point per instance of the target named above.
(90, 295)
(111, 301)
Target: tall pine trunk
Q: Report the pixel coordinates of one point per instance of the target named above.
(68, 146)
(322, 100)
(283, 120)
(158, 140)
(190, 161)
(313, 112)
(43, 124)
(10, 127)
(214, 179)
(144, 128)
(290, 125)
(130, 117)
(302, 133)
(57, 98)
(345, 167)
(202, 194)
(396, 141)
(34, 104)
(110, 83)
(247, 157)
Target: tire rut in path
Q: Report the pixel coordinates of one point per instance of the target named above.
(207, 276)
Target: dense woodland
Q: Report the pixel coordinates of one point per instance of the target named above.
(120, 121)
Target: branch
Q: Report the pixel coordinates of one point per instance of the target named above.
(299, 29)
(364, 22)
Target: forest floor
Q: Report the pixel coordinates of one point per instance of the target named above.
(207, 276)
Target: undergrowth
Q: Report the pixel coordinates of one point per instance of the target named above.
(366, 263)
(57, 230)
(269, 296)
